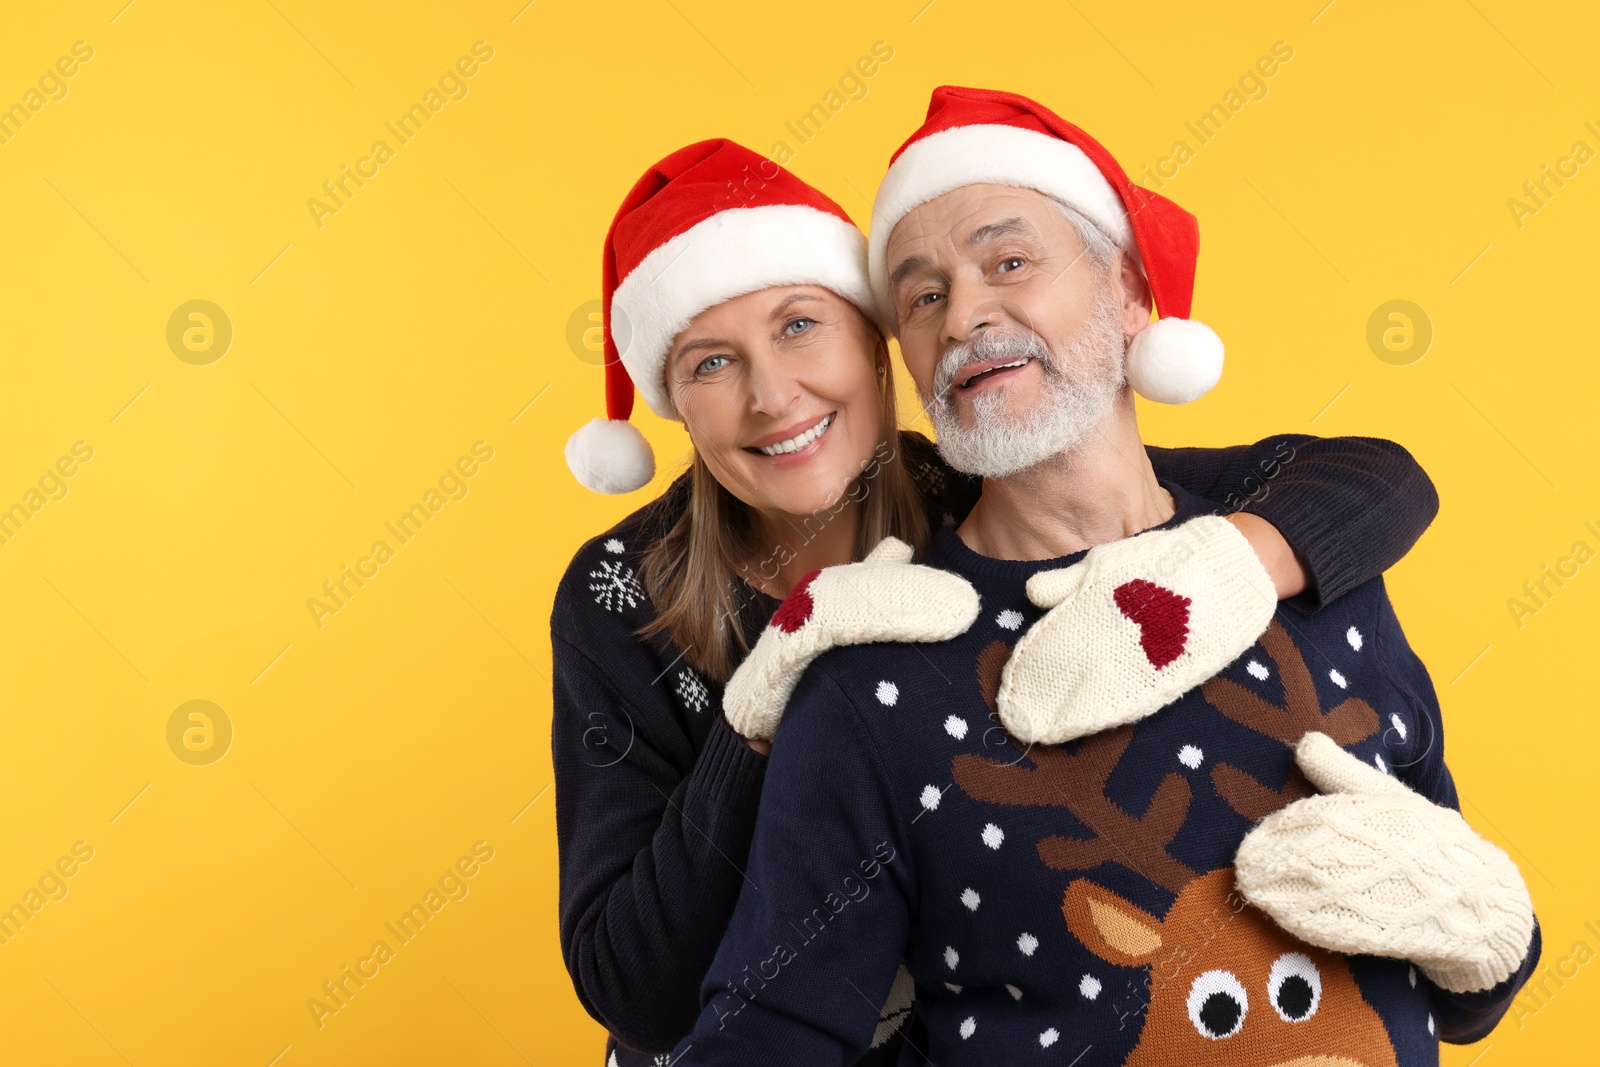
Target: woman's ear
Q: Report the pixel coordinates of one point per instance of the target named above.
(1136, 300)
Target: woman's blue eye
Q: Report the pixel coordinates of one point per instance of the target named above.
(804, 324)
(1005, 264)
(706, 366)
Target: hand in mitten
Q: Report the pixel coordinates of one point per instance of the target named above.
(1132, 627)
(1372, 867)
(885, 597)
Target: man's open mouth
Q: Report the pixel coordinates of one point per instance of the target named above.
(980, 371)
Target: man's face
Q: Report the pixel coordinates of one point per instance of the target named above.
(1013, 335)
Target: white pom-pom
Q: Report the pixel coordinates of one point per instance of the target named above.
(610, 456)
(1174, 361)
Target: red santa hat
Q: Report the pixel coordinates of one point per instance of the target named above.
(979, 136)
(706, 224)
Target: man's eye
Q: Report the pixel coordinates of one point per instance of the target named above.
(1011, 263)
(924, 300)
(798, 326)
(710, 364)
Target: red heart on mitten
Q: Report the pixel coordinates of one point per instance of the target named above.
(796, 609)
(1162, 616)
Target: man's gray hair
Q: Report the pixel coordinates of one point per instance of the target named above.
(1097, 246)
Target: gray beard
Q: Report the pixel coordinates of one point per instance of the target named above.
(1080, 387)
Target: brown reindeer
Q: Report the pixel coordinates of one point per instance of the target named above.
(1223, 978)
(1222, 974)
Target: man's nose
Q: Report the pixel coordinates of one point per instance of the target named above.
(972, 309)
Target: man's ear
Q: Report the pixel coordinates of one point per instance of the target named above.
(1136, 299)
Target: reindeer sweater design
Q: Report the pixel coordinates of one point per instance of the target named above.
(1070, 904)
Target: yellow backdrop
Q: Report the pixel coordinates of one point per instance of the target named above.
(242, 341)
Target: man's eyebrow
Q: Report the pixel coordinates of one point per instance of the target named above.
(907, 267)
(1014, 226)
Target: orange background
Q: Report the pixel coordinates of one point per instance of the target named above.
(444, 303)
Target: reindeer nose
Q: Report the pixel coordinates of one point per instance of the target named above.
(1321, 1061)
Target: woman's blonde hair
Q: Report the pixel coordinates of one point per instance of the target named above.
(692, 574)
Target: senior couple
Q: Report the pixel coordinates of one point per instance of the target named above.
(1078, 762)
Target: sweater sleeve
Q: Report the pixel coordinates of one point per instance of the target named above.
(1419, 762)
(822, 923)
(652, 843)
(1350, 507)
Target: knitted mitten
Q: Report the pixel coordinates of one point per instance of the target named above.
(1372, 867)
(885, 597)
(1135, 625)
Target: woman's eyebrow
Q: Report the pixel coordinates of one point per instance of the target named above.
(700, 343)
(793, 299)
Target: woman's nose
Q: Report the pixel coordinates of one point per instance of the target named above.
(774, 387)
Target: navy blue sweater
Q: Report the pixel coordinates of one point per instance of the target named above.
(655, 795)
(1073, 903)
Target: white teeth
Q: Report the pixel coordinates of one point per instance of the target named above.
(968, 380)
(799, 441)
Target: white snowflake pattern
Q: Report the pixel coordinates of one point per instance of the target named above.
(969, 897)
(1027, 943)
(615, 547)
(951, 957)
(993, 835)
(930, 796)
(956, 727)
(969, 1026)
(1257, 670)
(1191, 757)
(952, 987)
(1089, 986)
(1338, 679)
(1377, 758)
(1399, 725)
(615, 586)
(1353, 635)
(931, 478)
(1008, 619)
(1049, 1037)
(692, 691)
(1016, 994)
(888, 693)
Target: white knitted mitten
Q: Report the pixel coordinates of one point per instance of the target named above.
(1372, 867)
(1132, 627)
(885, 597)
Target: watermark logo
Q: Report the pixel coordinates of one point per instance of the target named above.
(1399, 332)
(586, 332)
(199, 332)
(199, 732)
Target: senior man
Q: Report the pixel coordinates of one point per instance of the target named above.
(1139, 812)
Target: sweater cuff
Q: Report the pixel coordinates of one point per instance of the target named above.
(1322, 538)
(725, 785)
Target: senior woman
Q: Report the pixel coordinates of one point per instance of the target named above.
(737, 301)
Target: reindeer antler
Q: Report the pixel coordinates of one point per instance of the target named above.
(1075, 781)
(1350, 721)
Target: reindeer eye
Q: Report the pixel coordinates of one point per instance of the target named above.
(1217, 1004)
(1295, 987)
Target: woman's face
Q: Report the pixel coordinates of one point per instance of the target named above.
(779, 391)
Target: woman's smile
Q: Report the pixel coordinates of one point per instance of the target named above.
(796, 444)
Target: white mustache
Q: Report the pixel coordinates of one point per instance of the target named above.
(990, 344)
